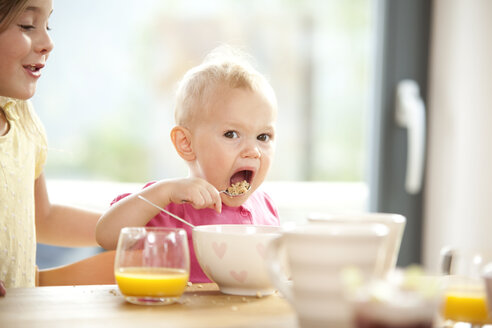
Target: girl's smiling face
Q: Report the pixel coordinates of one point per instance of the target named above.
(24, 49)
(234, 140)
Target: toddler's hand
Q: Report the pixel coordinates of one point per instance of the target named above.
(198, 192)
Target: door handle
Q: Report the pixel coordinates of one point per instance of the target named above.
(410, 114)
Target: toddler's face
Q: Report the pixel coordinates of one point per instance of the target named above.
(234, 140)
(24, 49)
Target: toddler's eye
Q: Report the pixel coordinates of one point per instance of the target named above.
(231, 134)
(263, 137)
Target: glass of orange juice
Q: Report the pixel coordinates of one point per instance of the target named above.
(152, 264)
(465, 298)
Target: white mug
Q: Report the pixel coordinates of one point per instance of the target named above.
(315, 255)
(394, 222)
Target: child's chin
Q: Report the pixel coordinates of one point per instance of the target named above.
(234, 201)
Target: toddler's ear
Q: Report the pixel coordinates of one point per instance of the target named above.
(181, 138)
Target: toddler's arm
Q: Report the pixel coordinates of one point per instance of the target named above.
(132, 211)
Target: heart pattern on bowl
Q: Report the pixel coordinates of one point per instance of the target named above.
(219, 249)
(234, 256)
(261, 250)
(239, 276)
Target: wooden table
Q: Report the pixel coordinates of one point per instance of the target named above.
(202, 305)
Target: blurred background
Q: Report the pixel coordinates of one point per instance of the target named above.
(107, 96)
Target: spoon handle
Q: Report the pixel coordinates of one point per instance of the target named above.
(165, 211)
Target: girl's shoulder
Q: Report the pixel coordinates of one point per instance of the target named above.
(21, 113)
(27, 131)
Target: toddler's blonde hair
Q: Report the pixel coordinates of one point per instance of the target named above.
(225, 66)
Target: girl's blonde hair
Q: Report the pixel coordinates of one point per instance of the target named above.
(223, 67)
(9, 11)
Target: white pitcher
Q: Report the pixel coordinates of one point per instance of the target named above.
(315, 255)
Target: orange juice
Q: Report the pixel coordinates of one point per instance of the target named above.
(466, 305)
(151, 282)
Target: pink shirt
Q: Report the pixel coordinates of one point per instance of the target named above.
(258, 209)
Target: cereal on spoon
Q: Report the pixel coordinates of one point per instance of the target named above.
(238, 188)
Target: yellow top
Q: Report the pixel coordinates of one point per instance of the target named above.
(22, 157)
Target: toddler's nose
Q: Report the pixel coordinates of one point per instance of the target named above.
(251, 150)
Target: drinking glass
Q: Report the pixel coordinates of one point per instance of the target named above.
(465, 299)
(152, 264)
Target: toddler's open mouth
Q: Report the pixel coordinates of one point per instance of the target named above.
(240, 182)
(238, 188)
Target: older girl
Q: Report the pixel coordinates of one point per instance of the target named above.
(26, 214)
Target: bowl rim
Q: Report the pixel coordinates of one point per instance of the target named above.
(209, 229)
(338, 230)
(382, 217)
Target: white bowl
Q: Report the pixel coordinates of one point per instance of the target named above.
(233, 256)
(394, 222)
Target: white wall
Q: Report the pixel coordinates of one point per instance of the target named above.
(294, 199)
(458, 193)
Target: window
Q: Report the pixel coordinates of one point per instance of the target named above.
(106, 97)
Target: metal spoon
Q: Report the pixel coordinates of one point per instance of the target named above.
(181, 219)
(165, 211)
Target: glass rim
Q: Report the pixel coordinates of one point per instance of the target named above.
(153, 229)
